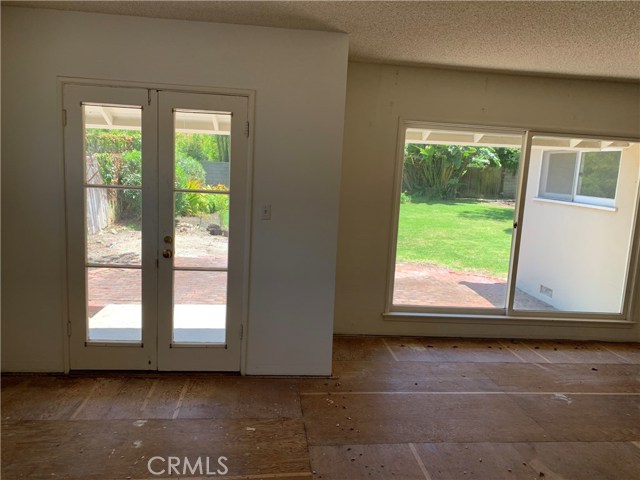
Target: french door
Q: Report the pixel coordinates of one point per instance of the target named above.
(157, 186)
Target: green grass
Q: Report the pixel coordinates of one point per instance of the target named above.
(460, 235)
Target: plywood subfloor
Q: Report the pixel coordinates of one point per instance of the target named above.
(395, 408)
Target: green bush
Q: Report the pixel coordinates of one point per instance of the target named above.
(188, 169)
(129, 205)
(203, 147)
(221, 203)
(190, 175)
(435, 171)
(100, 140)
(199, 146)
(193, 204)
(119, 159)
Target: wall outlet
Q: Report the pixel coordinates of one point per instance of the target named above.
(546, 291)
(265, 213)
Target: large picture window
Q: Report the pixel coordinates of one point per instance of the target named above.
(487, 228)
(581, 177)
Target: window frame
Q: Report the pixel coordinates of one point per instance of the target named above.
(509, 316)
(574, 196)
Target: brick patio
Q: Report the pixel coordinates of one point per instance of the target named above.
(429, 285)
(415, 284)
(123, 286)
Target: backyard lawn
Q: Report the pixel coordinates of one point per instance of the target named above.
(460, 235)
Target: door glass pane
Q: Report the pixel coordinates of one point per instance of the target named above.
(113, 145)
(201, 219)
(201, 230)
(202, 150)
(113, 221)
(114, 304)
(113, 218)
(574, 254)
(456, 219)
(200, 307)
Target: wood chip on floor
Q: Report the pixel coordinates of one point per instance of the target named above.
(395, 408)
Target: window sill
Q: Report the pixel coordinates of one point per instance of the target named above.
(575, 204)
(522, 320)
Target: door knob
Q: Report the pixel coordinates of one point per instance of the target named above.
(167, 253)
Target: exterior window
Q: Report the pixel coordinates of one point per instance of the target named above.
(580, 177)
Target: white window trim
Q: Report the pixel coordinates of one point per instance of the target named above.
(575, 204)
(573, 197)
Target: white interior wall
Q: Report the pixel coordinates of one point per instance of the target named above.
(377, 97)
(580, 252)
(299, 78)
(297, 75)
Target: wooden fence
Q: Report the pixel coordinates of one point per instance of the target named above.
(490, 182)
(99, 211)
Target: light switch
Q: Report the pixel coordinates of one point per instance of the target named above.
(266, 212)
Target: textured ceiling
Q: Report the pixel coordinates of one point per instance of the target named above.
(584, 39)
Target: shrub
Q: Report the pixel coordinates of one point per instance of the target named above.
(221, 203)
(193, 204)
(190, 175)
(188, 169)
(119, 160)
(405, 197)
(435, 171)
(129, 205)
(199, 146)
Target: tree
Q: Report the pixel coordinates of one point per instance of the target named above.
(509, 160)
(223, 147)
(202, 147)
(199, 146)
(436, 170)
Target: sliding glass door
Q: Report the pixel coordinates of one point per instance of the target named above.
(579, 213)
(455, 219)
(500, 222)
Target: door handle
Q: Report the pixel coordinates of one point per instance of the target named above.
(167, 253)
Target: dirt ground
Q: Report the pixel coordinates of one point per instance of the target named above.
(194, 245)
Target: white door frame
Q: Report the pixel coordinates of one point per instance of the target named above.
(74, 303)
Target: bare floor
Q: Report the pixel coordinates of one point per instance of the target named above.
(395, 408)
